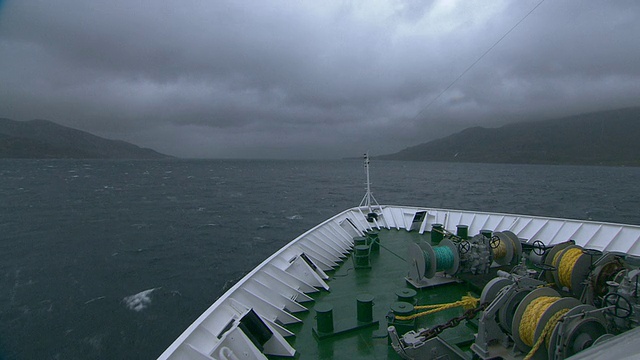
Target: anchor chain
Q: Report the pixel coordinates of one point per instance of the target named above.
(438, 329)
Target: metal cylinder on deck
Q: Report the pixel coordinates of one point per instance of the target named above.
(402, 308)
(365, 308)
(324, 317)
(407, 295)
(462, 231)
(359, 240)
(373, 240)
(361, 256)
(486, 233)
(437, 233)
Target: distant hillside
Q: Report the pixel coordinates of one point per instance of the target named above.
(38, 139)
(599, 138)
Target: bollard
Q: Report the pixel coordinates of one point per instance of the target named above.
(406, 295)
(462, 231)
(365, 307)
(361, 256)
(437, 233)
(324, 318)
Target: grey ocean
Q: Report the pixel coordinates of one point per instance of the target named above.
(114, 259)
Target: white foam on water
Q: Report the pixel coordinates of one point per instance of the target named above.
(139, 301)
(295, 217)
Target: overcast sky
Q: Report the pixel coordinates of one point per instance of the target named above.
(319, 79)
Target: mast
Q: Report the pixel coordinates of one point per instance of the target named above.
(368, 196)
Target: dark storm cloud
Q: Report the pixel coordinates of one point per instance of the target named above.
(322, 79)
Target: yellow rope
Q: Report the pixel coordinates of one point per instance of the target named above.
(532, 315)
(556, 257)
(567, 263)
(530, 318)
(546, 285)
(546, 332)
(500, 251)
(467, 302)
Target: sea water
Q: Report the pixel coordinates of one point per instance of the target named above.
(114, 259)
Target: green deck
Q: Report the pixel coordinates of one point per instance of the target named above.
(385, 277)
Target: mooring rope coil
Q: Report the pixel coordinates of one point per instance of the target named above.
(444, 258)
(567, 263)
(500, 251)
(531, 318)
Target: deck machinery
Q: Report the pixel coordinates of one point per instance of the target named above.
(554, 302)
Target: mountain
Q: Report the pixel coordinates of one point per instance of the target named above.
(599, 138)
(38, 139)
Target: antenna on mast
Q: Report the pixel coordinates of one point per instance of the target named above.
(368, 198)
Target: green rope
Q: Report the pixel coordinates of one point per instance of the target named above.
(389, 250)
(444, 258)
(427, 260)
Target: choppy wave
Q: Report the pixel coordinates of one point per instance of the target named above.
(139, 301)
